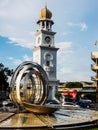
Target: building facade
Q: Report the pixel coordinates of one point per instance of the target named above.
(94, 67)
(45, 52)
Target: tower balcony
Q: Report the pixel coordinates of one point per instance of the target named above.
(94, 78)
(48, 68)
(94, 67)
(94, 56)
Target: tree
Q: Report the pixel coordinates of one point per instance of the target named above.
(74, 85)
(5, 72)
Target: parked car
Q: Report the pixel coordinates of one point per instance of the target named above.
(84, 105)
(70, 104)
(7, 102)
(84, 102)
(53, 104)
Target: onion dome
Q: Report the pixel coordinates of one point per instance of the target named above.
(45, 13)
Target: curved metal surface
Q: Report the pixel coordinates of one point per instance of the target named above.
(42, 109)
(29, 84)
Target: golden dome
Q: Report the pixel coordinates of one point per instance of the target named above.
(45, 13)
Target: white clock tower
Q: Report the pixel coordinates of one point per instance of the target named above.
(45, 52)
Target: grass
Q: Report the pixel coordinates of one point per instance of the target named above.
(89, 128)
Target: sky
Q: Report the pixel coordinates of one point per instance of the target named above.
(76, 27)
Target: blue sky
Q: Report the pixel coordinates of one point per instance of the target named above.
(76, 24)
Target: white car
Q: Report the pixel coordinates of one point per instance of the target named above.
(70, 104)
(58, 105)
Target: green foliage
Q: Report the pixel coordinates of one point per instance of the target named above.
(89, 128)
(74, 85)
(5, 72)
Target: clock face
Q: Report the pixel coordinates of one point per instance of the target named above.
(47, 39)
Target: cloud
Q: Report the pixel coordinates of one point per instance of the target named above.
(64, 45)
(66, 33)
(63, 55)
(68, 74)
(83, 26)
(65, 48)
(26, 43)
(16, 18)
(71, 71)
(27, 58)
(71, 61)
(16, 62)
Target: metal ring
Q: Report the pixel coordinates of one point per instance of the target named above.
(29, 83)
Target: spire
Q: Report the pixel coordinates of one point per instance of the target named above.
(45, 3)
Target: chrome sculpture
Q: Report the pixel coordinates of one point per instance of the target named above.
(30, 88)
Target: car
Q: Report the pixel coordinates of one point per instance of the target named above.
(53, 104)
(85, 100)
(70, 104)
(84, 105)
(7, 102)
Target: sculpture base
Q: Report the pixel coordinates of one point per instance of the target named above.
(61, 119)
(39, 109)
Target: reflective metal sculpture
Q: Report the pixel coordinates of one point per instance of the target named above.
(29, 87)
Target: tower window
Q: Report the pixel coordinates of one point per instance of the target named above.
(48, 63)
(48, 59)
(47, 24)
(43, 24)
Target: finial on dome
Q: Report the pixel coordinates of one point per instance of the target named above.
(46, 4)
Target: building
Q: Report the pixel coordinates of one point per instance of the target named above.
(45, 52)
(86, 85)
(94, 67)
(88, 90)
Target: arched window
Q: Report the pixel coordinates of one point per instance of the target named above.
(48, 59)
(43, 24)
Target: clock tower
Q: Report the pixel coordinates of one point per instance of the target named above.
(45, 52)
